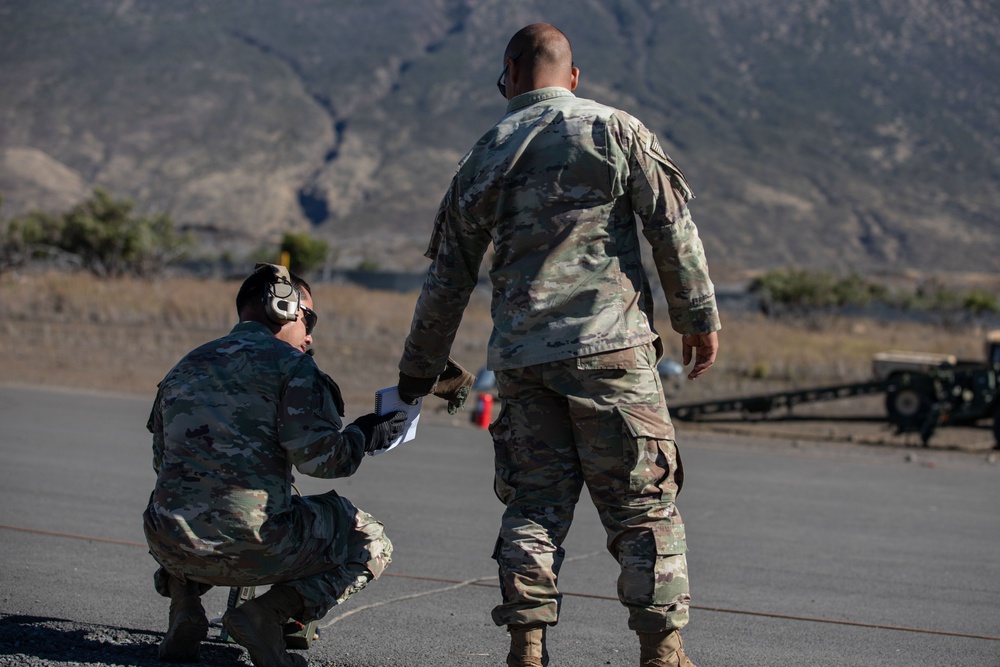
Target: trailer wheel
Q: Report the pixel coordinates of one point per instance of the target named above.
(907, 406)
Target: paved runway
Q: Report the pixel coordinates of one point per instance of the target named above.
(801, 554)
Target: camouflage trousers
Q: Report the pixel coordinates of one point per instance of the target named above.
(344, 549)
(599, 421)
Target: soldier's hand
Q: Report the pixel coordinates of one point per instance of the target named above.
(380, 430)
(411, 388)
(703, 347)
(454, 385)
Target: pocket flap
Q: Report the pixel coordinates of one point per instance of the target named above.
(647, 421)
(670, 539)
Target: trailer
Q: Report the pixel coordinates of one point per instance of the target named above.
(923, 391)
(763, 404)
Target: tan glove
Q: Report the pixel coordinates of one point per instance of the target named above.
(454, 385)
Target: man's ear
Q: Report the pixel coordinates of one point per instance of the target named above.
(513, 73)
(575, 79)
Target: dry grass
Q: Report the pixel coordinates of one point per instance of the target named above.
(123, 335)
(74, 330)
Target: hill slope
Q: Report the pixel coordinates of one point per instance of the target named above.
(858, 134)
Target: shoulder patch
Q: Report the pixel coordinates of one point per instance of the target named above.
(654, 150)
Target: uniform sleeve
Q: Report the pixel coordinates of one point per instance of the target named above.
(310, 427)
(456, 251)
(660, 196)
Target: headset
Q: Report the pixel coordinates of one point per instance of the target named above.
(281, 300)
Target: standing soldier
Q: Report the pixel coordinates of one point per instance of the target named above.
(556, 186)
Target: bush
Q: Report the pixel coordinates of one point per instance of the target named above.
(979, 302)
(806, 294)
(305, 253)
(800, 292)
(100, 234)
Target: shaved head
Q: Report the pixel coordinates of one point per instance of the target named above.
(542, 56)
(542, 46)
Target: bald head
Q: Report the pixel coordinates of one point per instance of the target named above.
(539, 56)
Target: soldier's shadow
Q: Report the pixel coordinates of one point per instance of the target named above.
(62, 640)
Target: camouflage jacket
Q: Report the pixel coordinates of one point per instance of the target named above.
(229, 422)
(555, 187)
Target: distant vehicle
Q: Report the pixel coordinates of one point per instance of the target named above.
(486, 380)
(669, 368)
(671, 376)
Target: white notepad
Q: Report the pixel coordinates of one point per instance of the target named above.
(387, 400)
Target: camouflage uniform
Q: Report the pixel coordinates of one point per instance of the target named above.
(556, 186)
(229, 422)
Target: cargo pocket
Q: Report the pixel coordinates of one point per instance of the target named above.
(500, 430)
(654, 565)
(650, 454)
(671, 588)
(325, 400)
(670, 536)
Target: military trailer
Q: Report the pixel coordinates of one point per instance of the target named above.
(922, 392)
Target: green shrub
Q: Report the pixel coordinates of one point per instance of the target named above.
(305, 252)
(979, 302)
(100, 234)
(805, 294)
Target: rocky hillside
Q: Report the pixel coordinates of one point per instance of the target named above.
(856, 134)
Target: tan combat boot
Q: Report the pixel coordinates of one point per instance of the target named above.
(662, 649)
(258, 626)
(527, 646)
(188, 625)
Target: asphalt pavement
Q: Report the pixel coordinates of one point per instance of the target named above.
(801, 553)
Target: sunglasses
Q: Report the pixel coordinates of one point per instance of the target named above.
(506, 67)
(310, 317)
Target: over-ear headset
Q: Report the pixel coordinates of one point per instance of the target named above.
(281, 300)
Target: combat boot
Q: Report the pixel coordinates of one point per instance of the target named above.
(188, 625)
(258, 626)
(527, 646)
(662, 649)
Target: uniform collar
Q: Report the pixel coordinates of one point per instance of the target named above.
(534, 96)
(250, 325)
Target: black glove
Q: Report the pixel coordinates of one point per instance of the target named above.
(380, 430)
(411, 388)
